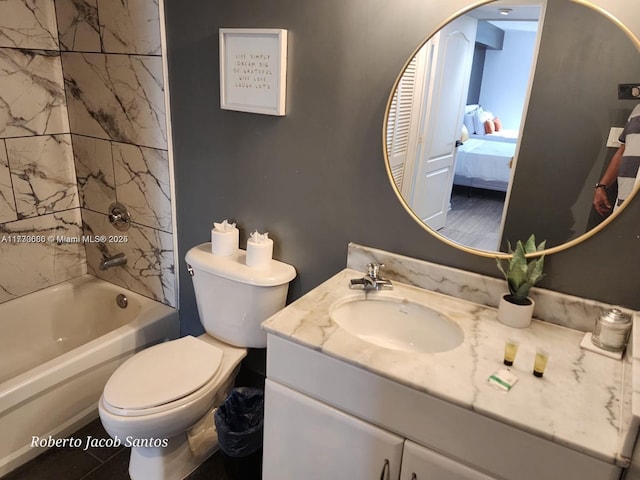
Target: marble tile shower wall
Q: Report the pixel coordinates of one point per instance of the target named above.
(38, 191)
(112, 110)
(112, 63)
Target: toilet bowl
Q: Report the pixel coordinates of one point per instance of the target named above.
(152, 410)
(161, 401)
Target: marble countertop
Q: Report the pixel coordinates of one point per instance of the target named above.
(578, 402)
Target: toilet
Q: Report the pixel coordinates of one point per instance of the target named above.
(161, 401)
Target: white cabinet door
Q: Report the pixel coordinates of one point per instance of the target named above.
(419, 463)
(306, 439)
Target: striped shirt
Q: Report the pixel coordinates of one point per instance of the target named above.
(630, 161)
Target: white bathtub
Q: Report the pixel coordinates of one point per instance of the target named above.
(58, 347)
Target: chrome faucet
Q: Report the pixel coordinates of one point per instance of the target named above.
(117, 260)
(372, 280)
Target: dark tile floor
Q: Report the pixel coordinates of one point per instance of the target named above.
(113, 463)
(97, 463)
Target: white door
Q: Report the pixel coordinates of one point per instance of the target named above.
(306, 439)
(452, 50)
(419, 463)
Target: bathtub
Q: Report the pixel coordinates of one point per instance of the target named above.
(58, 347)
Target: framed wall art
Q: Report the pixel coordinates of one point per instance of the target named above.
(253, 70)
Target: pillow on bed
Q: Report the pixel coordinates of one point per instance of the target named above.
(464, 135)
(471, 108)
(489, 126)
(467, 121)
(497, 123)
(469, 112)
(479, 117)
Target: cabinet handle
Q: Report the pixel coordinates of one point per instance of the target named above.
(384, 475)
(414, 476)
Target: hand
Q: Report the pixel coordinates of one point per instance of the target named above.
(601, 202)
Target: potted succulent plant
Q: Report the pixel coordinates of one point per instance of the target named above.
(522, 273)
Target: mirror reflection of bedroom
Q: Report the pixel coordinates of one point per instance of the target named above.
(468, 87)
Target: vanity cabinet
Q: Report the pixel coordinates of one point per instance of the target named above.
(419, 463)
(304, 438)
(328, 419)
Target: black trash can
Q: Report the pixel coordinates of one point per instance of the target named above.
(239, 423)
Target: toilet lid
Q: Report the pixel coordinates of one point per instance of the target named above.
(162, 374)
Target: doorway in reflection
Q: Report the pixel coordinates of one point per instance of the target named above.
(474, 218)
(457, 113)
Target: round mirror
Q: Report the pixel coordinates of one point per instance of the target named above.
(504, 120)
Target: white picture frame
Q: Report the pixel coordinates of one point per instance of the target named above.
(253, 70)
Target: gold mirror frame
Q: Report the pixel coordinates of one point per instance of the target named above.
(483, 253)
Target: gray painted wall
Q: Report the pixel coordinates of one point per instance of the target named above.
(315, 179)
(582, 59)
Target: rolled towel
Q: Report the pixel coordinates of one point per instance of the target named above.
(259, 250)
(225, 239)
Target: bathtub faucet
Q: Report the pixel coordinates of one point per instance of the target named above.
(115, 261)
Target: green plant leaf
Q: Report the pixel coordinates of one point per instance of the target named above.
(502, 269)
(534, 270)
(523, 292)
(520, 272)
(530, 246)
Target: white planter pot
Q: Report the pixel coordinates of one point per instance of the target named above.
(518, 316)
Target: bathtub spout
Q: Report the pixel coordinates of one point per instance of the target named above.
(117, 260)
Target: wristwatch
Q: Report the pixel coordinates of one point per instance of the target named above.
(600, 185)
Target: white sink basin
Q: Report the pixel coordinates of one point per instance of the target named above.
(396, 323)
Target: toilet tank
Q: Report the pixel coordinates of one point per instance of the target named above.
(234, 299)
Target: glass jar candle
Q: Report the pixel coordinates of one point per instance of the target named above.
(612, 330)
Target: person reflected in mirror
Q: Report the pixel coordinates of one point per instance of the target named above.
(623, 167)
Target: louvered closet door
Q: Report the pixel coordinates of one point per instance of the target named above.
(399, 124)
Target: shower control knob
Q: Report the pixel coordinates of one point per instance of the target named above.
(119, 216)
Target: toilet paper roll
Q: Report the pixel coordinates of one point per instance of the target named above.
(225, 239)
(259, 253)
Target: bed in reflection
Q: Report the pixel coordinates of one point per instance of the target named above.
(485, 158)
(484, 163)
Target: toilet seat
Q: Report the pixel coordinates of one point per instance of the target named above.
(163, 377)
